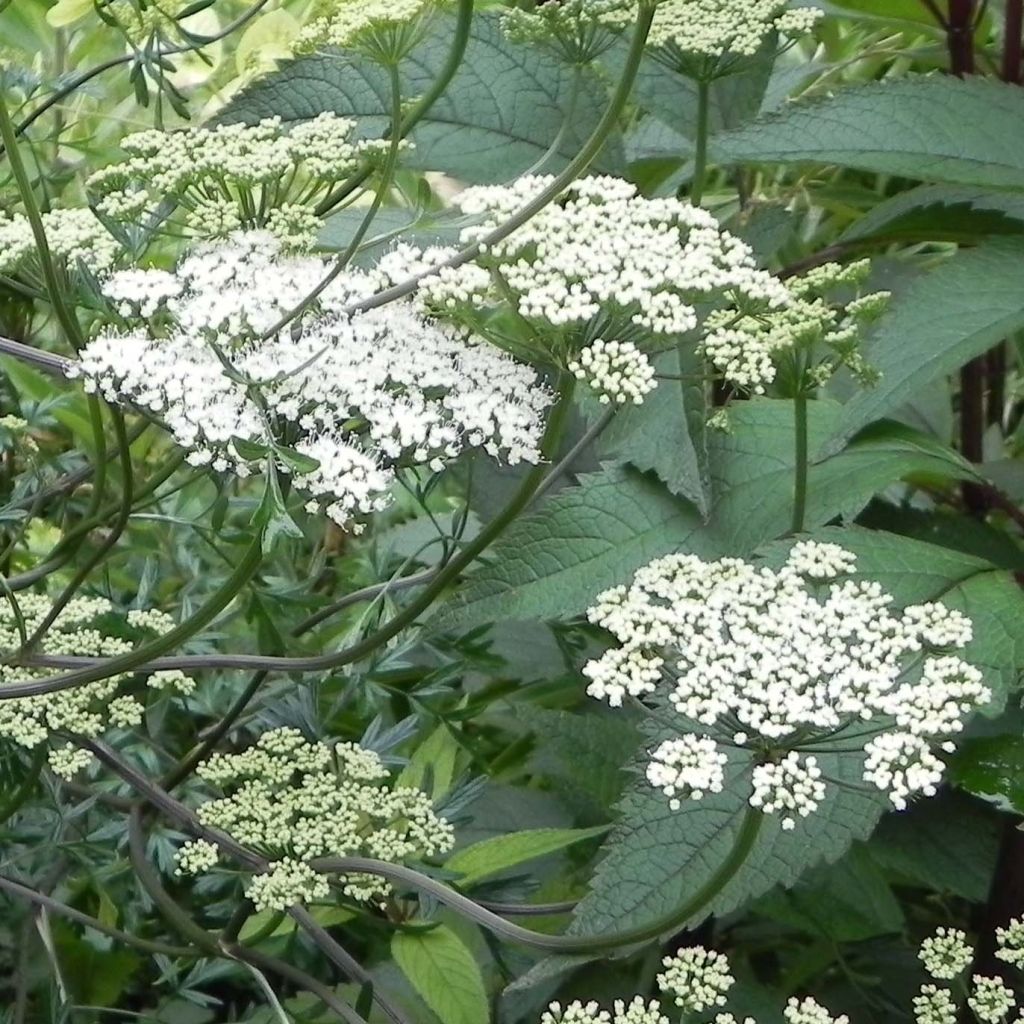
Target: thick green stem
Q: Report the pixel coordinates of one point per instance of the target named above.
(800, 473)
(700, 154)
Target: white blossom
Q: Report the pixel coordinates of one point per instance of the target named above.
(689, 766)
(74, 235)
(810, 1011)
(946, 953)
(196, 856)
(294, 801)
(367, 393)
(617, 372)
(361, 23)
(991, 1000)
(1010, 941)
(767, 660)
(934, 1005)
(233, 176)
(601, 256)
(696, 978)
(88, 708)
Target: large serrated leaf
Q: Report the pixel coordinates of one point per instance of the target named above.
(752, 470)
(501, 113)
(932, 128)
(553, 562)
(942, 320)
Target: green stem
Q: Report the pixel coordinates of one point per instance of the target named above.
(800, 484)
(700, 156)
(460, 38)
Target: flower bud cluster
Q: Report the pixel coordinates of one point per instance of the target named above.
(601, 260)
(73, 235)
(1010, 942)
(745, 346)
(384, 29)
(772, 662)
(810, 1011)
(946, 953)
(294, 801)
(696, 979)
(87, 709)
(234, 176)
(578, 30)
(723, 31)
(990, 1000)
(934, 1005)
(616, 371)
(366, 394)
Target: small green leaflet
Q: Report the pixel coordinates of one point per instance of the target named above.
(444, 972)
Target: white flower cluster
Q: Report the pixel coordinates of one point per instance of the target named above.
(364, 24)
(934, 1005)
(601, 256)
(293, 801)
(366, 393)
(744, 346)
(990, 1000)
(724, 29)
(639, 1011)
(578, 30)
(1010, 941)
(86, 709)
(73, 235)
(946, 953)
(616, 371)
(810, 1011)
(234, 176)
(696, 979)
(773, 662)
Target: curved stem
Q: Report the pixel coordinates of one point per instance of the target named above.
(460, 38)
(23, 892)
(670, 922)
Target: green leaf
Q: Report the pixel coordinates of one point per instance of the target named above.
(438, 753)
(952, 213)
(552, 563)
(932, 128)
(272, 518)
(490, 856)
(992, 767)
(500, 114)
(444, 973)
(942, 320)
(948, 844)
(752, 470)
(666, 433)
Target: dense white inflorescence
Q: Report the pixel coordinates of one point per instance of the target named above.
(364, 394)
(746, 347)
(1010, 942)
(946, 953)
(696, 978)
(990, 999)
(616, 371)
(601, 261)
(81, 629)
(769, 663)
(638, 1011)
(74, 236)
(235, 176)
(294, 801)
(934, 1005)
(369, 25)
(579, 30)
(810, 1011)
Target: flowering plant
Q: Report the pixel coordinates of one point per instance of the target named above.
(510, 511)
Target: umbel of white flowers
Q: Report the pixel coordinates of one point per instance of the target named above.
(235, 176)
(361, 395)
(84, 628)
(708, 37)
(293, 801)
(760, 668)
(697, 981)
(604, 267)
